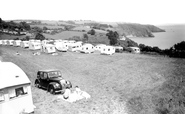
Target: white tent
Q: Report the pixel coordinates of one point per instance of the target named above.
(24, 44)
(87, 48)
(34, 45)
(17, 43)
(15, 90)
(49, 48)
(108, 50)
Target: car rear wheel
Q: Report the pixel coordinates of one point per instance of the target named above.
(51, 90)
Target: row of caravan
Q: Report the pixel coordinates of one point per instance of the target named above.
(50, 46)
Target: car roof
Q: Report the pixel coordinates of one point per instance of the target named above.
(49, 70)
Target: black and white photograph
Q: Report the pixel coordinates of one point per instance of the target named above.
(92, 57)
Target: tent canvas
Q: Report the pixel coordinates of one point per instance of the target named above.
(15, 89)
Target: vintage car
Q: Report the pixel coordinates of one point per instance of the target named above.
(52, 81)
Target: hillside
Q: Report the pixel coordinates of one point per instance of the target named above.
(137, 30)
(128, 29)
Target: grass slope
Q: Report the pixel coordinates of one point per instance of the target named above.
(7, 36)
(117, 84)
(64, 35)
(137, 30)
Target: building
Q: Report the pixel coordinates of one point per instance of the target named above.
(15, 90)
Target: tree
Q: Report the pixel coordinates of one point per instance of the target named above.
(92, 32)
(25, 26)
(113, 37)
(39, 36)
(85, 37)
(37, 30)
(45, 28)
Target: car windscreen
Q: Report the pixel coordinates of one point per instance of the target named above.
(54, 74)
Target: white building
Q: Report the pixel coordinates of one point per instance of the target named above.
(15, 90)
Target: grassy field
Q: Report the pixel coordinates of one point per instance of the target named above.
(87, 29)
(7, 36)
(65, 35)
(48, 26)
(119, 84)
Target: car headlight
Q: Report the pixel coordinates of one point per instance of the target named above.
(57, 85)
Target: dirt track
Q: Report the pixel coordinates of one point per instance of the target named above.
(110, 80)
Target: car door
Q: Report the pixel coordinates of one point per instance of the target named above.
(41, 78)
(45, 80)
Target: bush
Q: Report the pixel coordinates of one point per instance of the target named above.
(113, 37)
(39, 36)
(92, 32)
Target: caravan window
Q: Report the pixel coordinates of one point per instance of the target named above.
(1, 96)
(21, 91)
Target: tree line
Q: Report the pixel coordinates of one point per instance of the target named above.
(12, 26)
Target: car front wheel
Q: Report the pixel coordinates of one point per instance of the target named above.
(51, 90)
(37, 84)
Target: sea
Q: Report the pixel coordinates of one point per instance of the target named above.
(164, 40)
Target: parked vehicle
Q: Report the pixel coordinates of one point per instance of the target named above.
(52, 80)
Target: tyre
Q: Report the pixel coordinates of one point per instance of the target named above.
(52, 90)
(37, 84)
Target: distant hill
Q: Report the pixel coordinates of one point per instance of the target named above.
(137, 30)
(127, 29)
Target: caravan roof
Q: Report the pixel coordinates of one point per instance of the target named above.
(11, 75)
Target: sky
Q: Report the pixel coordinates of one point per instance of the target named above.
(154, 12)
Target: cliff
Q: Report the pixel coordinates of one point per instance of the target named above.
(137, 30)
